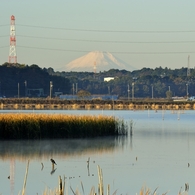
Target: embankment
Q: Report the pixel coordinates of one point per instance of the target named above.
(136, 104)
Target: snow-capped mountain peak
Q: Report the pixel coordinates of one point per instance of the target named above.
(97, 61)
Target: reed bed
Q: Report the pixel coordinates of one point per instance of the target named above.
(47, 126)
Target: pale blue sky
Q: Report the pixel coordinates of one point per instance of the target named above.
(143, 33)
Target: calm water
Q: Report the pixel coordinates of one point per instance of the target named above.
(157, 155)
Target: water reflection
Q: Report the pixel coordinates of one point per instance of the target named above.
(53, 170)
(53, 166)
(158, 154)
(46, 148)
(42, 166)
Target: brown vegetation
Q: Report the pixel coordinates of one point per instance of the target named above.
(47, 126)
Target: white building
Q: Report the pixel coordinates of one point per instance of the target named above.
(108, 79)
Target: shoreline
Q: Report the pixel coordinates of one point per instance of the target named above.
(57, 104)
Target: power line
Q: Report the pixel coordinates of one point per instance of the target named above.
(107, 31)
(102, 30)
(1, 25)
(4, 46)
(115, 52)
(105, 41)
(54, 49)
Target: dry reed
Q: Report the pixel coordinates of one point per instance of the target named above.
(25, 179)
(48, 126)
(61, 189)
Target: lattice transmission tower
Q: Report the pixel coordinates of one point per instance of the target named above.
(12, 50)
(188, 69)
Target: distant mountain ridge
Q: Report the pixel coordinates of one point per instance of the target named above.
(99, 61)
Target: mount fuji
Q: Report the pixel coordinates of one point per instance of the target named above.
(97, 61)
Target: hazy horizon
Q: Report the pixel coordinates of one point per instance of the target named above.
(141, 33)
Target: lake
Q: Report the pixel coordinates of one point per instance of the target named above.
(159, 154)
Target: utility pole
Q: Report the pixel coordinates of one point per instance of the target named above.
(18, 90)
(108, 90)
(76, 88)
(73, 89)
(94, 68)
(188, 69)
(187, 90)
(25, 84)
(128, 91)
(51, 86)
(133, 90)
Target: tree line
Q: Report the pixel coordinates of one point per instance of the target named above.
(18, 79)
(145, 83)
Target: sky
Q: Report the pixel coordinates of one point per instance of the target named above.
(142, 33)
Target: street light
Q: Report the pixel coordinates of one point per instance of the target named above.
(108, 90)
(73, 89)
(18, 90)
(25, 83)
(51, 85)
(76, 88)
(128, 91)
(187, 90)
(133, 90)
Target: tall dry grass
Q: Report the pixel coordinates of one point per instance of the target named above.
(100, 187)
(47, 126)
